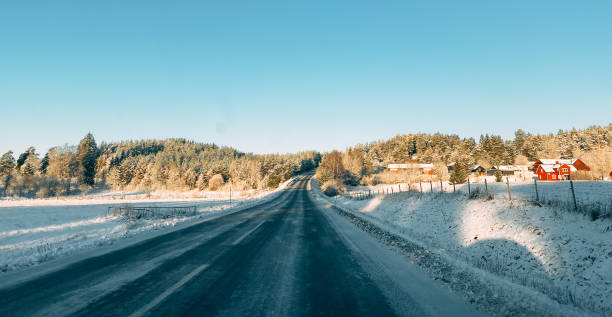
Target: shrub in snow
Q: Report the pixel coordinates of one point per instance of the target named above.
(332, 188)
(371, 180)
(351, 179)
(498, 176)
(215, 182)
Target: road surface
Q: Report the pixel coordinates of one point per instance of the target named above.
(291, 256)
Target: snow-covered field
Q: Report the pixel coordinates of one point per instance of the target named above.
(133, 197)
(33, 231)
(564, 255)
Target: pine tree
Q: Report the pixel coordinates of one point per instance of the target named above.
(7, 163)
(24, 156)
(87, 153)
(44, 163)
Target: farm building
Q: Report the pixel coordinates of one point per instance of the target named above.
(506, 170)
(479, 170)
(577, 163)
(558, 169)
(476, 169)
(423, 168)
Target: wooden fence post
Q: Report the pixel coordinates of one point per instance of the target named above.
(453, 187)
(573, 194)
(421, 185)
(441, 188)
(535, 182)
(430, 186)
(508, 183)
(469, 189)
(486, 187)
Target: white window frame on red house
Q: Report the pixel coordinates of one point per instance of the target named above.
(564, 169)
(554, 176)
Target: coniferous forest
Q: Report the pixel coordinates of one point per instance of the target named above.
(171, 164)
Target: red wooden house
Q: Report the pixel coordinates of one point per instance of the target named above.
(423, 168)
(558, 169)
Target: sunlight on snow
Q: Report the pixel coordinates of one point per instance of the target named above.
(372, 204)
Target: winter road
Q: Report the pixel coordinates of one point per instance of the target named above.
(290, 256)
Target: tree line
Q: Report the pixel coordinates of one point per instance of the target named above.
(170, 164)
(360, 164)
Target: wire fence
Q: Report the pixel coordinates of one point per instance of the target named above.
(593, 198)
(151, 211)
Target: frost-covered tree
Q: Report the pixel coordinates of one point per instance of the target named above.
(7, 163)
(331, 167)
(44, 163)
(31, 151)
(87, 153)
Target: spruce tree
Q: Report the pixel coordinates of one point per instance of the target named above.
(24, 156)
(87, 154)
(44, 163)
(7, 163)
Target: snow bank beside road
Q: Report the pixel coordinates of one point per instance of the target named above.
(36, 234)
(565, 256)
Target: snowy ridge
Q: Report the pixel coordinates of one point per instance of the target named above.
(452, 237)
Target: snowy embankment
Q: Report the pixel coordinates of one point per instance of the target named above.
(565, 256)
(35, 231)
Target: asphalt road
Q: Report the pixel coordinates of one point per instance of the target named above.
(288, 257)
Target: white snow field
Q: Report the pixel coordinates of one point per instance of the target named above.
(34, 231)
(557, 252)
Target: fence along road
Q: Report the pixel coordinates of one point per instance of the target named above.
(290, 256)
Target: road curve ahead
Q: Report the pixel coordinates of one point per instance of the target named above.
(291, 256)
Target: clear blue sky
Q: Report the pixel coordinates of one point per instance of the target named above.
(294, 75)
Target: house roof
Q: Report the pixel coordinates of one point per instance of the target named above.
(571, 167)
(554, 161)
(506, 168)
(548, 168)
(416, 165)
(424, 165)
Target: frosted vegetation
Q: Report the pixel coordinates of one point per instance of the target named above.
(149, 165)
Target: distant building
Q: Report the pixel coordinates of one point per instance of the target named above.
(506, 170)
(476, 169)
(558, 169)
(423, 168)
(479, 170)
